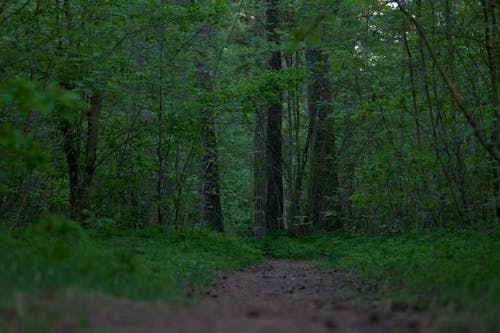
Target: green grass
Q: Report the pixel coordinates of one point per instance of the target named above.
(151, 264)
(460, 268)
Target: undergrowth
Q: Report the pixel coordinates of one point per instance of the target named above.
(150, 264)
(459, 268)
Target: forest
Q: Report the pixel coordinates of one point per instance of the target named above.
(152, 149)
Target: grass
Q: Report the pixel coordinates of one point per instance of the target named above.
(459, 268)
(149, 264)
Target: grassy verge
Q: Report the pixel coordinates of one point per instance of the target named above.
(459, 268)
(151, 264)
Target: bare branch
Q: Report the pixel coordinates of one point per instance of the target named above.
(490, 147)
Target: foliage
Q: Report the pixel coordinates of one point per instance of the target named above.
(151, 264)
(20, 152)
(28, 96)
(395, 148)
(404, 156)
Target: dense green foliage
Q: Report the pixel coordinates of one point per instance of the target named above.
(397, 151)
(458, 267)
(151, 264)
(146, 121)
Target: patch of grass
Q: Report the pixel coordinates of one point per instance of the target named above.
(151, 264)
(460, 267)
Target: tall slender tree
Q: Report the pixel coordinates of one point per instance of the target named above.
(208, 170)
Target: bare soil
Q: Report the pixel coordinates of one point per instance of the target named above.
(279, 296)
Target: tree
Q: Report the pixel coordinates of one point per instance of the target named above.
(274, 157)
(346, 113)
(323, 205)
(211, 211)
(490, 147)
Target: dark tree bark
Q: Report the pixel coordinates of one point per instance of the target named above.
(274, 158)
(71, 130)
(324, 205)
(211, 211)
(259, 172)
(81, 175)
(89, 166)
(72, 152)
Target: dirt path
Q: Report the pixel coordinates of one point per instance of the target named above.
(276, 297)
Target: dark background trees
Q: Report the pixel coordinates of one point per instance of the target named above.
(356, 115)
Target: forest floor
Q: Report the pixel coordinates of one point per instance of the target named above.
(278, 296)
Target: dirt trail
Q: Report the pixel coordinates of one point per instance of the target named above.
(279, 296)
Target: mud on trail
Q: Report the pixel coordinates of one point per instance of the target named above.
(278, 296)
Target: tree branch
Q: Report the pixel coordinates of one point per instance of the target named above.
(5, 19)
(490, 147)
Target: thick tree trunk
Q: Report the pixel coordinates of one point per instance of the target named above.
(93, 113)
(259, 172)
(274, 158)
(71, 130)
(211, 211)
(72, 152)
(81, 176)
(324, 205)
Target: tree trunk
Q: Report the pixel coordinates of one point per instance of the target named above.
(323, 206)
(274, 158)
(93, 113)
(72, 152)
(259, 172)
(211, 211)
